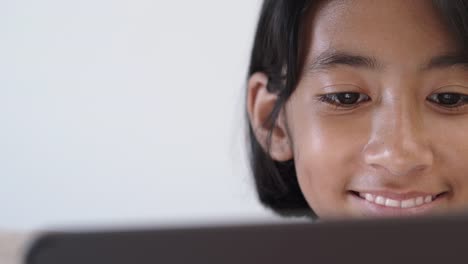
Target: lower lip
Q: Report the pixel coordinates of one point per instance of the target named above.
(370, 209)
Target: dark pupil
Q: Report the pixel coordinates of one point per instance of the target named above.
(448, 98)
(348, 98)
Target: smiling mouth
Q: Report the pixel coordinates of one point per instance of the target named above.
(407, 203)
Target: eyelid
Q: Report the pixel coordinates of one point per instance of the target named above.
(455, 108)
(342, 88)
(330, 100)
(451, 88)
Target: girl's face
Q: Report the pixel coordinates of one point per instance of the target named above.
(378, 122)
(378, 125)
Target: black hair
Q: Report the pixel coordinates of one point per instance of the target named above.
(277, 53)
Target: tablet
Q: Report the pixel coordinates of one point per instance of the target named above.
(411, 240)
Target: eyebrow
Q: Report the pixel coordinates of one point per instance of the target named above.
(332, 58)
(446, 61)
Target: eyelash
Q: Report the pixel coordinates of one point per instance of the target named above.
(334, 99)
(461, 102)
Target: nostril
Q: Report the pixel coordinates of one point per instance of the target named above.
(397, 156)
(400, 169)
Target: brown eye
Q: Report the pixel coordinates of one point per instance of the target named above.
(346, 99)
(448, 99)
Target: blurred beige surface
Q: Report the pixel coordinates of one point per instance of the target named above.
(13, 246)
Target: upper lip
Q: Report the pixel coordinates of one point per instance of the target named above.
(400, 196)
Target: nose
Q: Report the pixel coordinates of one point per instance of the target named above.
(398, 142)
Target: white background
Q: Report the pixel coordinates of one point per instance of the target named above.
(124, 112)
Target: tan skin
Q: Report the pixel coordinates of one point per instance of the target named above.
(393, 137)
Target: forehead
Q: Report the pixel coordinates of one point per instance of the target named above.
(397, 32)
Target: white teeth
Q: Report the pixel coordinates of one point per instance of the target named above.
(409, 203)
(420, 200)
(392, 203)
(428, 199)
(369, 197)
(380, 200)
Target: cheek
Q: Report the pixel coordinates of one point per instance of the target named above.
(451, 140)
(451, 149)
(326, 153)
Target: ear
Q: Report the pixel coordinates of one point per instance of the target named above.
(260, 104)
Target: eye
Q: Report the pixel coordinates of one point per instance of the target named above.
(345, 99)
(449, 100)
